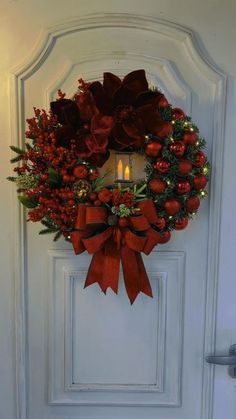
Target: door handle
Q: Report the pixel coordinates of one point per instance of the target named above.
(225, 360)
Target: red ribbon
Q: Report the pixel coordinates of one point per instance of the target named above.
(113, 244)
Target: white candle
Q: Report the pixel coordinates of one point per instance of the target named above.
(127, 173)
(120, 170)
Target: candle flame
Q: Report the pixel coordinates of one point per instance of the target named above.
(120, 170)
(127, 173)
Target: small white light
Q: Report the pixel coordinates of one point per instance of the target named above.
(191, 129)
(170, 217)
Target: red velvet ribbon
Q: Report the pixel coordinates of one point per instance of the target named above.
(114, 245)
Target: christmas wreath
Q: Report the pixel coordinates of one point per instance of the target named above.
(59, 177)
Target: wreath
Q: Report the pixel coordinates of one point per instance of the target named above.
(59, 177)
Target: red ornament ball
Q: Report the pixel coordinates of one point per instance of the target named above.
(184, 167)
(93, 196)
(189, 137)
(161, 223)
(192, 204)
(178, 114)
(153, 149)
(181, 223)
(199, 182)
(183, 186)
(200, 159)
(177, 148)
(157, 185)
(172, 206)
(163, 102)
(162, 165)
(163, 130)
(164, 237)
(81, 171)
(105, 195)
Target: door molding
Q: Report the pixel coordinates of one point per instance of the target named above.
(192, 46)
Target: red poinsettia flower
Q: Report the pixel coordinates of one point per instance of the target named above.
(82, 122)
(131, 105)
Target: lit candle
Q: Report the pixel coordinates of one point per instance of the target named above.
(127, 173)
(120, 170)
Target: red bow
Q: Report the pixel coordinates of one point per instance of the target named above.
(114, 244)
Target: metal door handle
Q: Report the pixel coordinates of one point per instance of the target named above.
(225, 360)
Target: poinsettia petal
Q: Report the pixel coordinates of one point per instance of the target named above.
(119, 140)
(86, 105)
(148, 97)
(102, 100)
(64, 134)
(66, 111)
(97, 143)
(102, 124)
(110, 83)
(136, 81)
(135, 130)
(123, 97)
(98, 159)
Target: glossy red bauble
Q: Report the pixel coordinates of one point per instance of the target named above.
(178, 114)
(184, 167)
(172, 206)
(181, 223)
(192, 204)
(199, 182)
(177, 148)
(162, 165)
(163, 102)
(183, 186)
(189, 137)
(165, 130)
(164, 237)
(161, 223)
(153, 149)
(200, 159)
(157, 185)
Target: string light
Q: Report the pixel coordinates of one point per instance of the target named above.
(172, 139)
(168, 182)
(170, 217)
(197, 143)
(191, 129)
(203, 193)
(173, 122)
(205, 170)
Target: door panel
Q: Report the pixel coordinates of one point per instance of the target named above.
(94, 350)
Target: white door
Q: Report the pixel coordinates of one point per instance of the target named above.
(81, 354)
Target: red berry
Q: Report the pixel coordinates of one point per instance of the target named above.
(172, 206)
(192, 204)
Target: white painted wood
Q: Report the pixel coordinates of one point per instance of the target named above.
(50, 322)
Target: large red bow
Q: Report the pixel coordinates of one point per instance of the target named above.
(114, 244)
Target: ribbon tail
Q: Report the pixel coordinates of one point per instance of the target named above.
(131, 273)
(104, 268)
